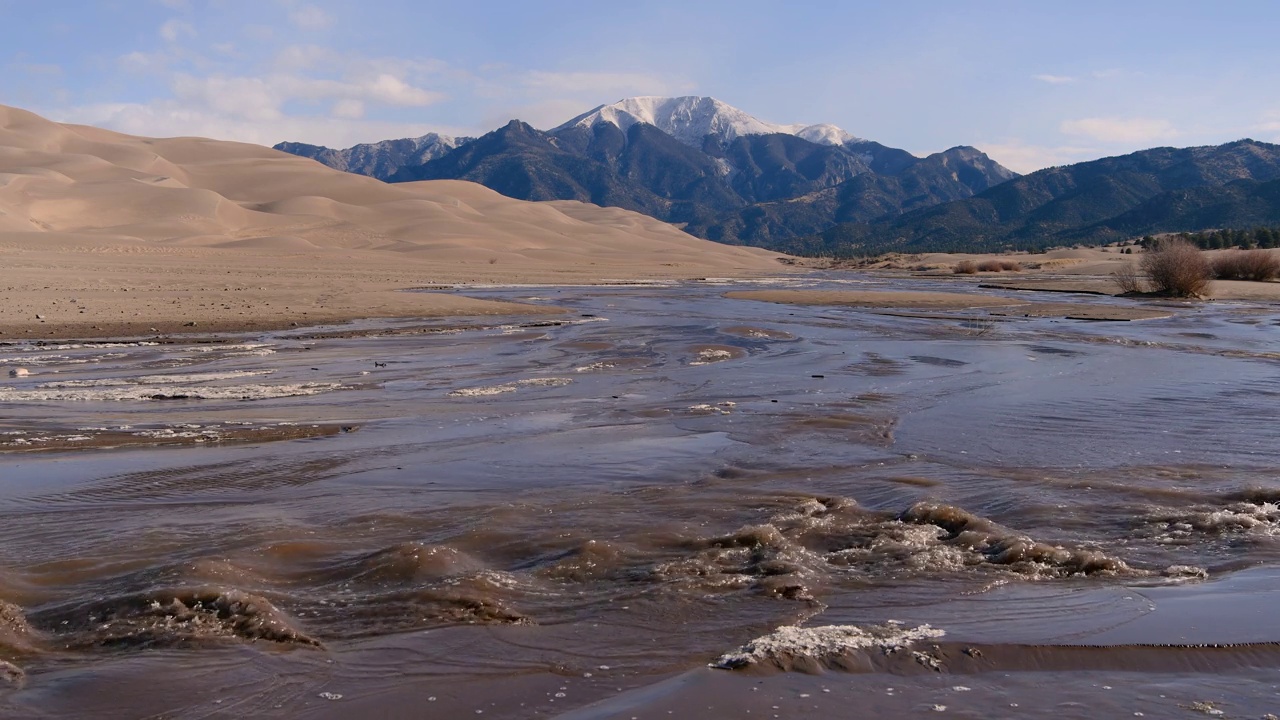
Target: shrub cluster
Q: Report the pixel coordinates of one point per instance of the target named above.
(1127, 279)
(1178, 268)
(1257, 265)
(999, 266)
(965, 267)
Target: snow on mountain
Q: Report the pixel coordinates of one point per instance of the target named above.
(825, 134)
(690, 119)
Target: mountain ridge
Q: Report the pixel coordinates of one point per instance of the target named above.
(1092, 202)
(691, 118)
(702, 164)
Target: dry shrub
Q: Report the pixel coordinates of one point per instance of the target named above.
(1256, 265)
(1127, 279)
(1178, 268)
(994, 265)
(965, 267)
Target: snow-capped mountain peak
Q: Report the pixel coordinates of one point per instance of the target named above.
(690, 119)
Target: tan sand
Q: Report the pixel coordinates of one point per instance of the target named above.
(1083, 270)
(109, 234)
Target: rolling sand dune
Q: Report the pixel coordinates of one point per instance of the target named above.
(104, 233)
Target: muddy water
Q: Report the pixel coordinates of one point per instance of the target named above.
(991, 516)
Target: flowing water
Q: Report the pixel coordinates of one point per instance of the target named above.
(964, 515)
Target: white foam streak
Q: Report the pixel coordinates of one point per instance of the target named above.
(826, 642)
(166, 392)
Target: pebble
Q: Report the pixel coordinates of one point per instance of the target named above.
(331, 696)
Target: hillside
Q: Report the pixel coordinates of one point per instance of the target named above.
(1157, 190)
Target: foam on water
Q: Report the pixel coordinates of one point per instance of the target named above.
(510, 387)
(1251, 514)
(166, 392)
(791, 647)
(711, 355)
(154, 379)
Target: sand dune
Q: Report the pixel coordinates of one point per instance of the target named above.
(86, 210)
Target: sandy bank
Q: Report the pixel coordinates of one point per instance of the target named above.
(1075, 270)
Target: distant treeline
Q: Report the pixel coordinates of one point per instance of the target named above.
(1249, 239)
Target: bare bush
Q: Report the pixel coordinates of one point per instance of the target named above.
(1010, 266)
(989, 266)
(1127, 279)
(965, 267)
(1256, 265)
(1178, 268)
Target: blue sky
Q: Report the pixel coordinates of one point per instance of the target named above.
(1033, 84)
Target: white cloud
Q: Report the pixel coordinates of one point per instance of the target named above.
(310, 17)
(174, 30)
(143, 62)
(236, 97)
(392, 90)
(1054, 79)
(1023, 158)
(306, 57)
(170, 118)
(1120, 130)
(600, 83)
(348, 108)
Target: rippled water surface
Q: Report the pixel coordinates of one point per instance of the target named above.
(575, 517)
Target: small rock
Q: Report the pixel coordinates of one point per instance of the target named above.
(331, 696)
(190, 324)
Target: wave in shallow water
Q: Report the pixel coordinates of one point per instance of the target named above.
(813, 649)
(170, 617)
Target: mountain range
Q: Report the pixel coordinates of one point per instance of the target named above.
(711, 168)
(1096, 202)
(724, 175)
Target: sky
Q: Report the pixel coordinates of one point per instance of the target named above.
(1033, 84)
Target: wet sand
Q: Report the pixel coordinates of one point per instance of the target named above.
(578, 519)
